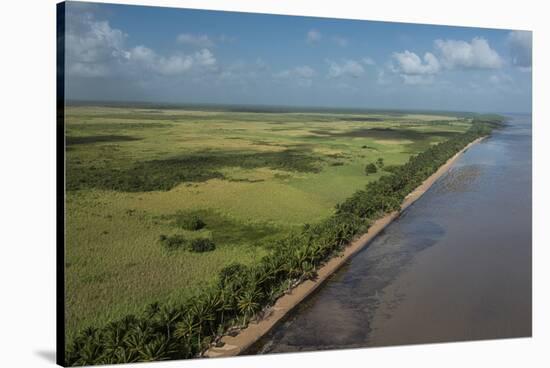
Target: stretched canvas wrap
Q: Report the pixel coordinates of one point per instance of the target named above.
(238, 183)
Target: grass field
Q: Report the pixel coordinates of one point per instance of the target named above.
(133, 173)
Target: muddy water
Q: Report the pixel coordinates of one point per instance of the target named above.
(455, 266)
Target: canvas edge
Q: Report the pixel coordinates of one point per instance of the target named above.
(60, 184)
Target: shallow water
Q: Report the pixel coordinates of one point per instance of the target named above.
(455, 266)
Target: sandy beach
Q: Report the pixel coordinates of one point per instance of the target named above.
(235, 345)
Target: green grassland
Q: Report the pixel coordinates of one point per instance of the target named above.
(133, 173)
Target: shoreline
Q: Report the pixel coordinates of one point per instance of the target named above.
(235, 345)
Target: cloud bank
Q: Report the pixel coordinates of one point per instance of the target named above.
(476, 54)
(409, 63)
(95, 49)
(345, 68)
(521, 48)
(187, 64)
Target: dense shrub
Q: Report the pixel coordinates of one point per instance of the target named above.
(370, 169)
(178, 241)
(184, 331)
(173, 242)
(190, 222)
(72, 140)
(165, 174)
(200, 245)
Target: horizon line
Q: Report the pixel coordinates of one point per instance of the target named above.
(161, 104)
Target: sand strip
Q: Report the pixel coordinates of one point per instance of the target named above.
(235, 345)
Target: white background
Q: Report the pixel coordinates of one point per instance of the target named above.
(27, 182)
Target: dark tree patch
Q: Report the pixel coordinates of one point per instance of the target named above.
(91, 139)
(197, 167)
(226, 231)
(385, 134)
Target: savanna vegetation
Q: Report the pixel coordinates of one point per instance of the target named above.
(193, 226)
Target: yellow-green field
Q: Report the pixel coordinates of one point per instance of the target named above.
(251, 177)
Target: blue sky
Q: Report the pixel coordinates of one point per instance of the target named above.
(138, 53)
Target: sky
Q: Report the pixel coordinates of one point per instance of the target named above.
(154, 54)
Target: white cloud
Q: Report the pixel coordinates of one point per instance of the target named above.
(95, 49)
(340, 41)
(205, 58)
(243, 73)
(87, 70)
(521, 48)
(313, 36)
(368, 61)
(408, 63)
(91, 45)
(503, 82)
(417, 79)
(301, 74)
(200, 41)
(299, 71)
(452, 54)
(142, 54)
(171, 65)
(382, 78)
(476, 54)
(345, 68)
(304, 71)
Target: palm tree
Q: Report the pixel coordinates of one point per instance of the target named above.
(158, 348)
(113, 337)
(186, 327)
(167, 317)
(299, 256)
(308, 270)
(90, 353)
(212, 302)
(125, 356)
(247, 303)
(227, 304)
(203, 314)
(265, 274)
(152, 310)
(138, 335)
(273, 293)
